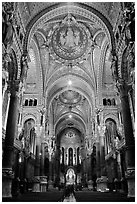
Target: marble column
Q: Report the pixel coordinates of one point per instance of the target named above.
(7, 162)
(102, 181)
(7, 109)
(42, 158)
(4, 90)
(129, 137)
(102, 155)
(98, 159)
(37, 164)
(36, 185)
(50, 182)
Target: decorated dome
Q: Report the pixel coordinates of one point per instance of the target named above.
(70, 97)
(70, 40)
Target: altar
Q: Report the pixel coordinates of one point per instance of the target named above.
(70, 177)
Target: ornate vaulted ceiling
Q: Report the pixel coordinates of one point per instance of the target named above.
(71, 45)
(109, 9)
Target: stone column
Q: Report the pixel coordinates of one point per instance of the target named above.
(37, 165)
(7, 109)
(4, 90)
(7, 162)
(42, 159)
(98, 159)
(50, 182)
(129, 137)
(102, 155)
(102, 181)
(36, 185)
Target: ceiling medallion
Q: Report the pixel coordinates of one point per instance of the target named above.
(70, 134)
(70, 97)
(70, 40)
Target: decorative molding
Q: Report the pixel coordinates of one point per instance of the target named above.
(28, 116)
(100, 69)
(130, 173)
(112, 116)
(75, 70)
(78, 89)
(8, 173)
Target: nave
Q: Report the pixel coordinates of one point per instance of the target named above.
(81, 196)
(68, 100)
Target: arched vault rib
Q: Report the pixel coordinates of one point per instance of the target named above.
(64, 121)
(74, 115)
(78, 85)
(76, 70)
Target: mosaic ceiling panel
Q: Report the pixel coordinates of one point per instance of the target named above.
(70, 40)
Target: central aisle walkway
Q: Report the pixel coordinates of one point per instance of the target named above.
(81, 196)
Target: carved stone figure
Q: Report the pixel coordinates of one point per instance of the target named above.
(70, 39)
(7, 27)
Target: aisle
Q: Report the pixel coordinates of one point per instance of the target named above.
(81, 196)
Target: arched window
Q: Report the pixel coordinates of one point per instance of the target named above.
(70, 163)
(35, 102)
(30, 102)
(41, 120)
(63, 155)
(77, 155)
(108, 102)
(113, 102)
(104, 101)
(26, 102)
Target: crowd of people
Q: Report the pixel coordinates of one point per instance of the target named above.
(69, 194)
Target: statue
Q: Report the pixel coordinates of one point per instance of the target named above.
(70, 177)
(24, 66)
(70, 39)
(7, 27)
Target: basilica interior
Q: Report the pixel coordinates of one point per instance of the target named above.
(68, 97)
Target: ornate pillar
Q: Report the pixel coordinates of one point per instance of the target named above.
(51, 152)
(129, 137)
(7, 109)
(102, 181)
(98, 159)
(4, 84)
(37, 165)
(36, 185)
(102, 155)
(42, 158)
(7, 162)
